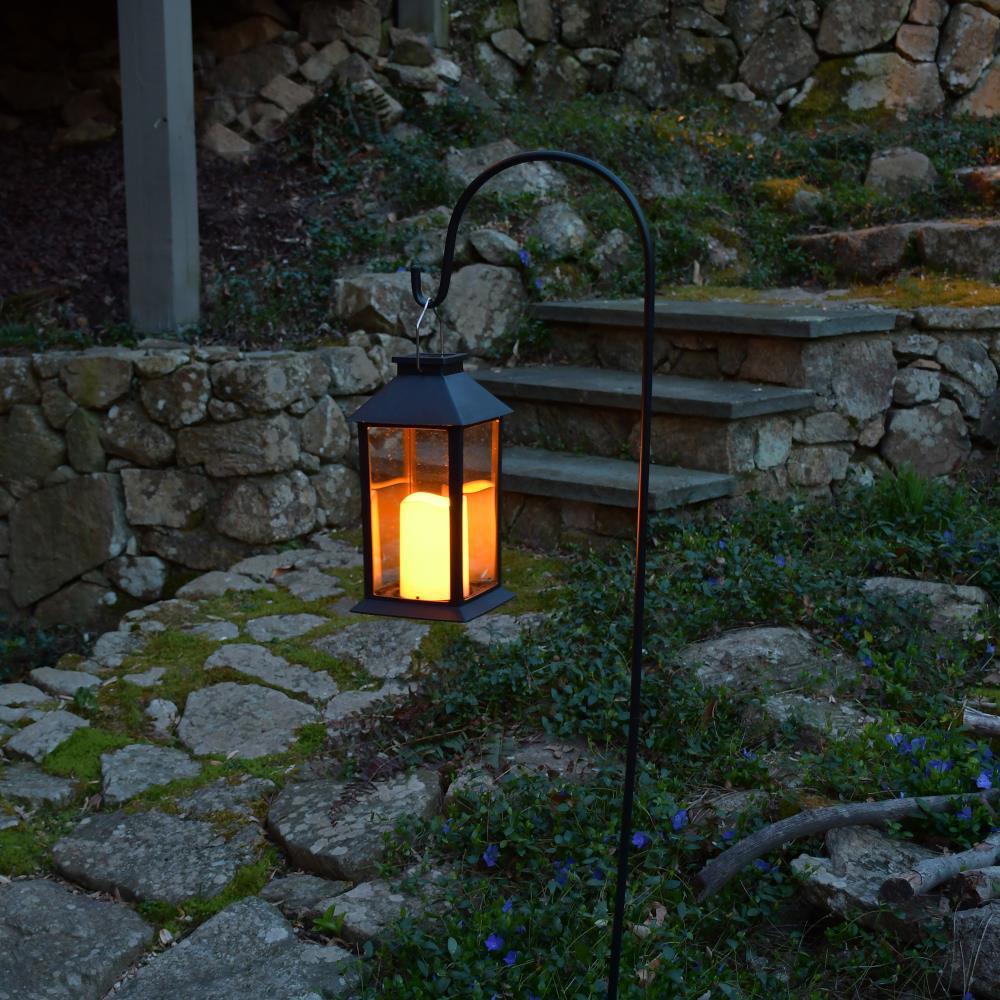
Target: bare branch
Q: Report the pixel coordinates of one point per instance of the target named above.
(929, 874)
(980, 722)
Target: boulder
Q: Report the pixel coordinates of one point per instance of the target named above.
(968, 43)
(81, 603)
(180, 397)
(559, 229)
(196, 548)
(286, 94)
(131, 435)
(97, 380)
(17, 383)
(325, 432)
(60, 944)
(850, 26)
(244, 720)
(822, 428)
(975, 950)
(970, 361)
(141, 577)
(536, 19)
(29, 448)
(464, 165)
(969, 247)
(245, 73)
(410, 48)
(782, 56)
(748, 18)
(268, 509)
(381, 302)
(319, 67)
(83, 442)
(513, 45)
(61, 532)
(56, 405)
(875, 252)
(900, 172)
(225, 143)
(950, 604)
(816, 720)
(412, 77)
(494, 247)
(887, 80)
(931, 12)
(918, 42)
(162, 715)
(484, 306)
(647, 70)
(169, 497)
(819, 465)
(241, 448)
(983, 101)
(132, 770)
(249, 951)
(916, 385)
(262, 385)
(932, 439)
(338, 495)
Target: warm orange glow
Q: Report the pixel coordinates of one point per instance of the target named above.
(425, 547)
(481, 537)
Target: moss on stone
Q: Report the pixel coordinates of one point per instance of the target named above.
(928, 290)
(80, 756)
(781, 191)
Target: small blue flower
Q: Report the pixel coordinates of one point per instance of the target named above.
(538, 284)
(990, 649)
(728, 835)
(510, 958)
(524, 256)
(964, 813)
(894, 739)
(780, 560)
(948, 536)
(918, 743)
(597, 873)
(748, 755)
(984, 781)
(680, 820)
(508, 906)
(722, 543)
(494, 942)
(640, 840)
(490, 855)
(867, 661)
(762, 865)
(562, 871)
(447, 826)
(968, 996)
(939, 765)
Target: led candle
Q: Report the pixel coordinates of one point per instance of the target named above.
(425, 548)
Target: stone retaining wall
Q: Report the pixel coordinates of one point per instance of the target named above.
(119, 467)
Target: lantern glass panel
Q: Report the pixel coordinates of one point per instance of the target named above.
(480, 473)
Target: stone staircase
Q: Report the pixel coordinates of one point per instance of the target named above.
(733, 380)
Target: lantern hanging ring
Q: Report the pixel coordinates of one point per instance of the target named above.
(642, 504)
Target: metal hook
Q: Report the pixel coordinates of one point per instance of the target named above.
(420, 320)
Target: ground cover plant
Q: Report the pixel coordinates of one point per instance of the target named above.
(530, 914)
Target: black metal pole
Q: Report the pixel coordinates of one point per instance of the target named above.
(642, 505)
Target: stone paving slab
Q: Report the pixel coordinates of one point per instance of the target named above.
(21, 694)
(310, 584)
(258, 662)
(501, 630)
(223, 795)
(64, 683)
(384, 646)
(58, 945)
(219, 631)
(282, 626)
(303, 897)
(371, 908)
(42, 737)
(244, 720)
(346, 841)
(148, 678)
(132, 770)
(248, 951)
(27, 783)
(152, 856)
(216, 583)
(348, 702)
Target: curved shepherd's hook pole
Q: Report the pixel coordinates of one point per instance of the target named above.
(642, 507)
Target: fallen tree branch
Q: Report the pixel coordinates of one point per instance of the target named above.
(980, 722)
(717, 872)
(977, 886)
(929, 874)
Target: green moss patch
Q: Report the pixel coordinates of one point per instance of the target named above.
(80, 756)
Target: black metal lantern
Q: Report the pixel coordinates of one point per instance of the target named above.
(431, 435)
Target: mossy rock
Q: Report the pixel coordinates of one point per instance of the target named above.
(781, 191)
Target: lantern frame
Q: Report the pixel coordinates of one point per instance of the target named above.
(432, 392)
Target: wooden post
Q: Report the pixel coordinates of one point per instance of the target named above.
(429, 17)
(161, 192)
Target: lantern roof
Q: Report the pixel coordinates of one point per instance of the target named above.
(430, 390)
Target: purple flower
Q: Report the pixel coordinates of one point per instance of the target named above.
(490, 855)
(748, 755)
(538, 283)
(494, 942)
(640, 840)
(447, 826)
(680, 820)
(867, 660)
(964, 813)
(984, 781)
(728, 835)
(762, 865)
(948, 536)
(968, 996)
(918, 743)
(524, 256)
(722, 543)
(507, 906)
(894, 739)
(990, 649)
(510, 958)
(780, 560)
(562, 871)
(939, 765)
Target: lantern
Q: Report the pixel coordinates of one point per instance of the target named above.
(429, 459)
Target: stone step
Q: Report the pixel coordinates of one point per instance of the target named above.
(672, 394)
(608, 482)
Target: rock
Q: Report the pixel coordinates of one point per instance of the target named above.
(412, 77)
(97, 380)
(147, 679)
(256, 661)
(447, 70)
(969, 360)
(900, 172)
(241, 448)
(847, 882)
(850, 26)
(225, 143)
(646, 70)
(932, 439)
(989, 424)
(31, 785)
(29, 448)
(950, 604)
(216, 582)
(494, 247)
(21, 694)
(968, 42)
(248, 950)
(130, 434)
(61, 532)
(267, 120)
(179, 398)
(42, 737)
(501, 630)
(132, 770)
(347, 703)
(273, 565)
(373, 302)
(266, 510)
(816, 719)
(247, 32)
(918, 42)
(64, 683)
(282, 626)
(963, 247)
(822, 428)
(536, 19)
(303, 897)
(748, 18)
(817, 466)
(17, 383)
(351, 370)
(975, 950)
(887, 80)
(372, 908)
(513, 45)
(410, 48)
(498, 74)
(163, 716)
(245, 720)
(346, 841)
(783, 55)
(286, 94)
(62, 945)
(266, 385)
(325, 432)
(81, 603)
(540, 179)
(56, 405)
(484, 305)
(225, 796)
(945, 318)
(915, 385)
(338, 494)
(83, 442)
(169, 498)
(151, 856)
(778, 659)
(141, 577)
(319, 67)
(217, 631)
(983, 101)
(928, 11)
(384, 647)
(559, 229)
(877, 252)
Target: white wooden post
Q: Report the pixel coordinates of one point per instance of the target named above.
(161, 192)
(429, 17)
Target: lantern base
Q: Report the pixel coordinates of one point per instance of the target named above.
(397, 607)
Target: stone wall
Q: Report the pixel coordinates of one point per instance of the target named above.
(905, 55)
(121, 467)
